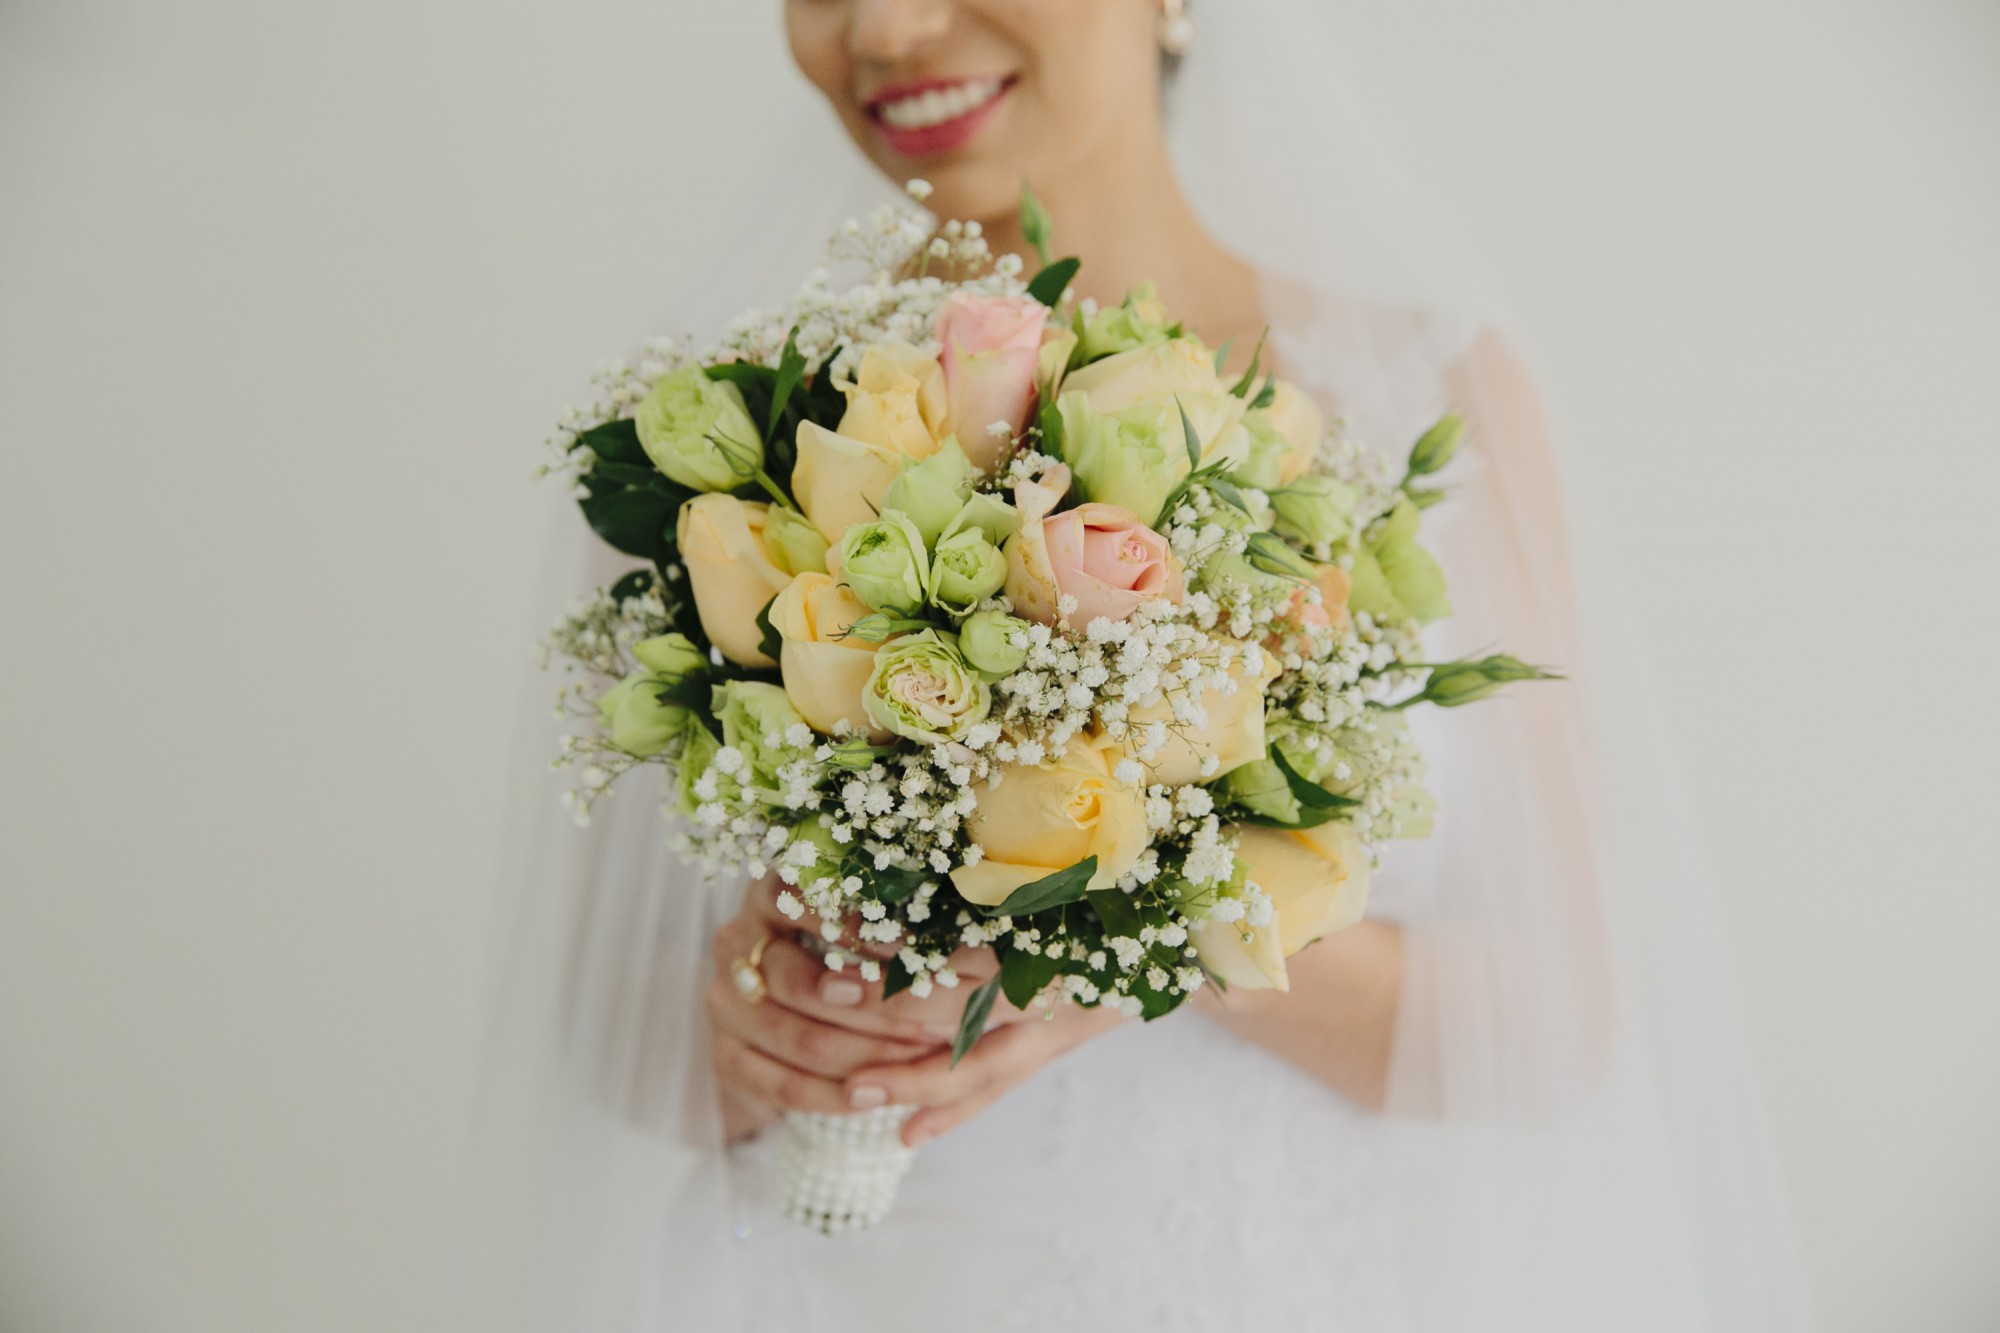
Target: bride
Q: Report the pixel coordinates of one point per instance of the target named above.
(1512, 1099)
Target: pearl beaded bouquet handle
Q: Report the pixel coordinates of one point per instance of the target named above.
(988, 618)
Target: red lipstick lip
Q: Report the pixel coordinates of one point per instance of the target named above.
(934, 139)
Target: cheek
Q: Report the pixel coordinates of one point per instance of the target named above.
(1092, 61)
(816, 34)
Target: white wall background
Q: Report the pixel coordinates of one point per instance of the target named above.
(288, 292)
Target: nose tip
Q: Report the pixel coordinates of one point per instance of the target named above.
(887, 30)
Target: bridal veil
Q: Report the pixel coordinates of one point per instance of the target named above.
(1574, 1139)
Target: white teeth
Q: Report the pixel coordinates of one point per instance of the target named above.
(939, 105)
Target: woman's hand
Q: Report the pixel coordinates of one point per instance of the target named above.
(792, 1050)
(822, 1040)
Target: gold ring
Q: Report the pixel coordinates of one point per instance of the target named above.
(744, 972)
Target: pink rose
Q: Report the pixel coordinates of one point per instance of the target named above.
(1100, 554)
(991, 347)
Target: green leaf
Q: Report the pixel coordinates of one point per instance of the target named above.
(1065, 886)
(791, 369)
(1309, 794)
(1188, 434)
(895, 977)
(1266, 395)
(614, 442)
(637, 522)
(972, 1023)
(894, 885)
(1226, 492)
(1115, 909)
(1423, 497)
(772, 643)
(636, 584)
(1035, 223)
(1267, 551)
(1024, 974)
(1222, 354)
(1242, 387)
(696, 693)
(1049, 285)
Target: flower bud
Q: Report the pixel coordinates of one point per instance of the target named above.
(966, 569)
(698, 432)
(994, 643)
(1435, 449)
(635, 720)
(670, 657)
(1457, 683)
(886, 565)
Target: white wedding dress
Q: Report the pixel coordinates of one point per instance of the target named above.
(1572, 1142)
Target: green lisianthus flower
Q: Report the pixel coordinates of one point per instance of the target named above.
(1135, 458)
(1317, 510)
(827, 854)
(930, 492)
(1138, 321)
(698, 432)
(696, 756)
(1263, 467)
(1393, 578)
(759, 721)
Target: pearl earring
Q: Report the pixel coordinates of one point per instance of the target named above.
(1175, 29)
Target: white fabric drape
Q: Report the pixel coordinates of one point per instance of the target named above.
(1573, 1140)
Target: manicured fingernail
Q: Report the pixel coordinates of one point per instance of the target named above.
(867, 1097)
(840, 990)
(919, 1135)
(942, 1031)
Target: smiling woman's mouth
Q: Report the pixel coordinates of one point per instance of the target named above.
(935, 116)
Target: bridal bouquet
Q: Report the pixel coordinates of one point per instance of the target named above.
(983, 617)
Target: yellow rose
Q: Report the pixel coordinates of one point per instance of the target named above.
(1179, 369)
(1296, 418)
(1317, 879)
(1047, 817)
(1233, 735)
(722, 545)
(897, 400)
(839, 480)
(824, 673)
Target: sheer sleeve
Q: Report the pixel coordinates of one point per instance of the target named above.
(1572, 1137)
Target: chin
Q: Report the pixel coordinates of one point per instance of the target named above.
(984, 191)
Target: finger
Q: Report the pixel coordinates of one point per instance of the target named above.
(1000, 1060)
(935, 1120)
(804, 984)
(801, 1042)
(750, 1073)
